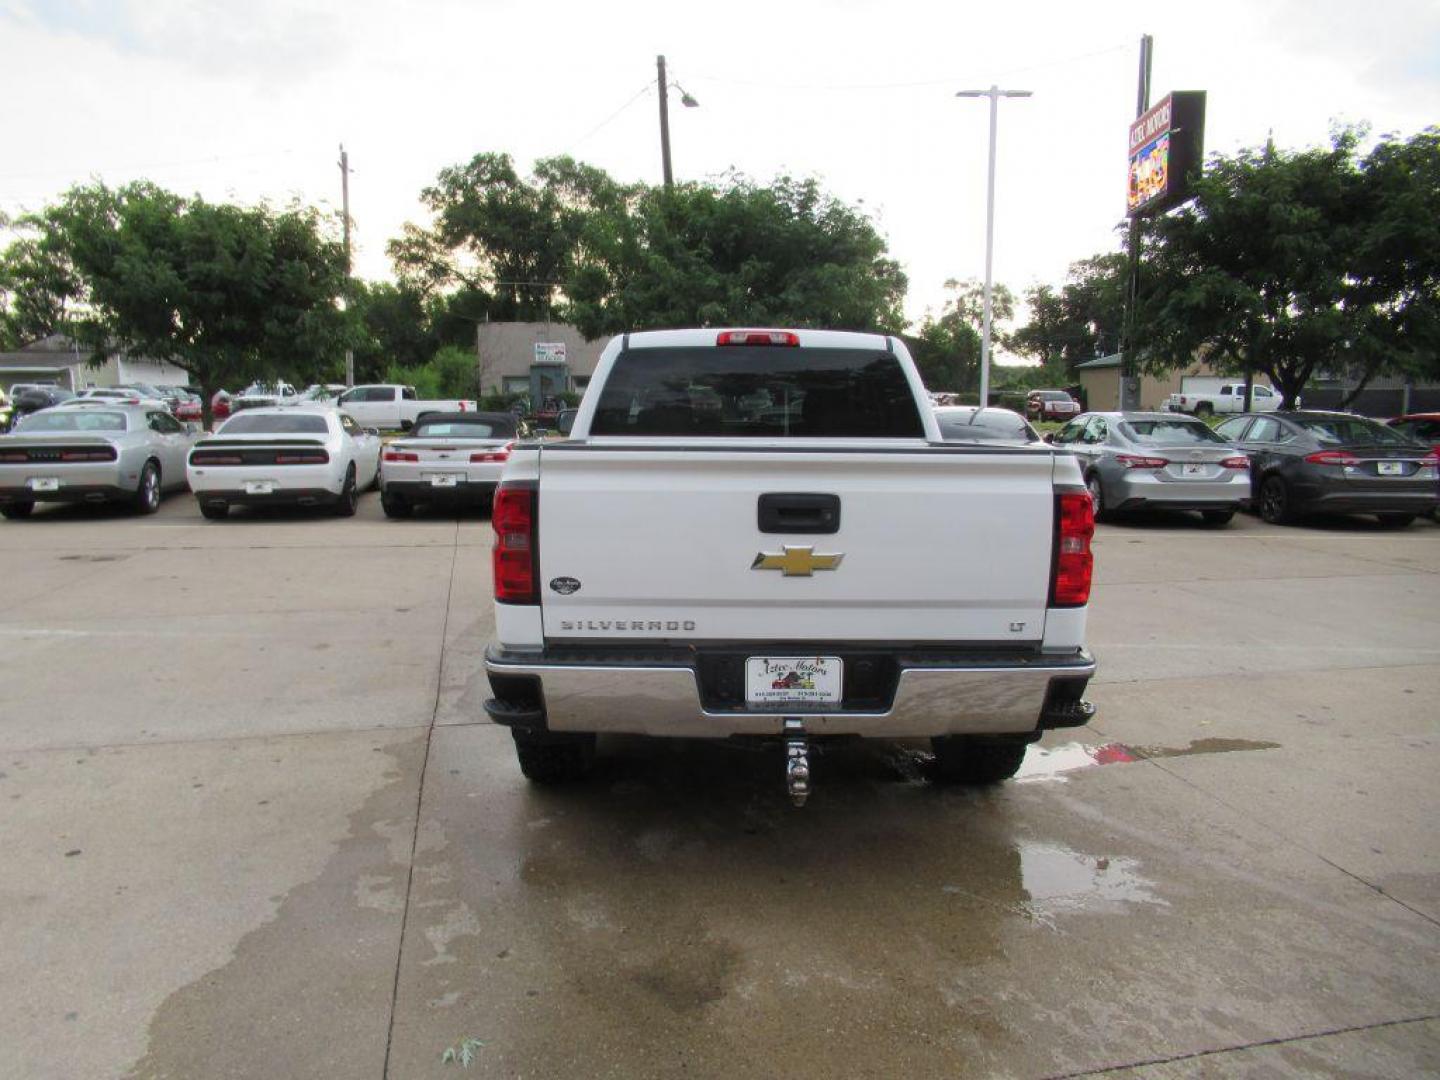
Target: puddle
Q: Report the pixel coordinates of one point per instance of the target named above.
(1205, 746)
(1059, 879)
(1042, 764)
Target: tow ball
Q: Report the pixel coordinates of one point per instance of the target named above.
(797, 760)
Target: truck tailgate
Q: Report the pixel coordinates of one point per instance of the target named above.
(934, 544)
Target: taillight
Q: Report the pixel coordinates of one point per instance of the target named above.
(514, 558)
(1430, 461)
(401, 455)
(88, 455)
(1238, 462)
(15, 456)
(757, 337)
(1332, 457)
(303, 457)
(1135, 461)
(494, 456)
(1074, 562)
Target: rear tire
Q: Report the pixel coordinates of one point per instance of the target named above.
(1097, 496)
(1217, 518)
(1275, 503)
(349, 497)
(547, 758)
(147, 495)
(17, 510)
(215, 511)
(974, 760)
(1395, 520)
(395, 506)
(1204, 409)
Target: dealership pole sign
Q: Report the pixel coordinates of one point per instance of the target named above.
(1167, 147)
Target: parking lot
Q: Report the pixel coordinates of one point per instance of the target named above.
(255, 824)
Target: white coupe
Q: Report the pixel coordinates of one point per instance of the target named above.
(297, 456)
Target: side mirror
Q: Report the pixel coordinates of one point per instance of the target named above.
(406, 425)
(565, 420)
(1049, 437)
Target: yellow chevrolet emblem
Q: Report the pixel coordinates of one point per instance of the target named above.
(796, 562)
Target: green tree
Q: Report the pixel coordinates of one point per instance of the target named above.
(947, 348)
(396, 326)
(573, 244)
(226, 293)
(1293, 263)
(1078, 322)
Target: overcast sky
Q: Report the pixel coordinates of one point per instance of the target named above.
(249, 100)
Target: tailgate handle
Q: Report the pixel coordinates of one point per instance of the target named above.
(783, 512)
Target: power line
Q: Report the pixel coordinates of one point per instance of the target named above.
(631, 101)
(947, 80)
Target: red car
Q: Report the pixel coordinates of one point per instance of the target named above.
(188, 410)
(220, 405)
(1422, 427)
(1051, 405)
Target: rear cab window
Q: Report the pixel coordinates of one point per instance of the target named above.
(758, 392)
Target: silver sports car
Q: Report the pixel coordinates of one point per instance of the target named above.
(102, 453)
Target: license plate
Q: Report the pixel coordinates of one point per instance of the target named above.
(259, 487)
(444, 480)
(45, 483)
(1390, 468)
(1192, 469)
(771, 680)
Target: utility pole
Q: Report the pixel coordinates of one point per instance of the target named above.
(994, 94)
(664, 121)
(345, 205)
(1129, 373)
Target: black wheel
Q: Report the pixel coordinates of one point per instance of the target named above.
(395, 506)
(349, 497)
(1217, 517)
(1395, 521)
(1204, 409)
(1275, 504)
(971, 759)
(17, 510)
(1097, 496)
(147, 495)
(554, 759)
(215, 511)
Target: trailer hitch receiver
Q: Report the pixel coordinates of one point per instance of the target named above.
(797, 760)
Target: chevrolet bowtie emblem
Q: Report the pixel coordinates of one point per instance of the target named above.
(796, 562)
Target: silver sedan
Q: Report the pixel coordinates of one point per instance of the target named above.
(1135, 460)
(102, 453)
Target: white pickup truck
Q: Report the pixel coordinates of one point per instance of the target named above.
(761, 533)
(394, 407)
(1226, 398)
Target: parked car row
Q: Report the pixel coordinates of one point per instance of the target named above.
(106, 450)
(1285, 465)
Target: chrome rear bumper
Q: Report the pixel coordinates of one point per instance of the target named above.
(991, 696)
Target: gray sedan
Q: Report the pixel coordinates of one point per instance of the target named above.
(103, 453)
(1311, 462)
(1132, 460)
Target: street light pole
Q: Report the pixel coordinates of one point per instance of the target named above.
(664, 121)
(994, 94)
(345, 210)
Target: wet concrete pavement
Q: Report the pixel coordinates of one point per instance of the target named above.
(255, 826)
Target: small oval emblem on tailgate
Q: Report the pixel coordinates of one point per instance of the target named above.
(565, 585)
